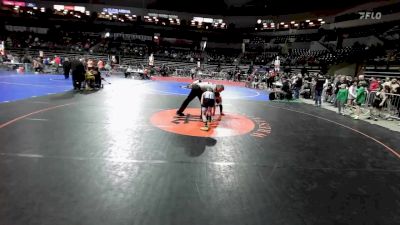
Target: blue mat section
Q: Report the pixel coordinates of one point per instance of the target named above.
(230, 92)
(16, 87)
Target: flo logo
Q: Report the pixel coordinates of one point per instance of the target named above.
(223, 126)
(370, 15)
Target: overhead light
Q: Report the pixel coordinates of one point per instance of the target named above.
(311, 23)
(255, 28)
(307, 21)
(320, 20)
(286, 25)
(296, 24)
(282, 23)
(292, 22)
(35, 8)
(259, 21)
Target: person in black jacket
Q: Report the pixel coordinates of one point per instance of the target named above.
(319, 87)
(66, 67)
(78, 73)
(297, 86)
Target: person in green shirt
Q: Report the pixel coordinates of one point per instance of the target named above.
(361, 95)
(341, 97)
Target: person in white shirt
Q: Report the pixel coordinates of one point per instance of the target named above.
(197, 89)
(207, 107)
(352, 93)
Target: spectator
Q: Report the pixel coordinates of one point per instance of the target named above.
(373, 85)
(319, 87)
(297, 86)
(352, 93)
(66, 67)
(342, 95)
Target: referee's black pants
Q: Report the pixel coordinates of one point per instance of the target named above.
(195, 92)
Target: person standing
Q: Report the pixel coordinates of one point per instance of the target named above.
(341, 97)
(352, 93)
(66, 67)
(319, 87)
(297, 86)
(100, 65)
(361, 96)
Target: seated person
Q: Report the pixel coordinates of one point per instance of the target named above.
(90, 78)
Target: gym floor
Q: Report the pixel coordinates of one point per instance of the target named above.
(120, 156)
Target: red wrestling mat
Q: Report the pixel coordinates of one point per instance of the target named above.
(190, 124)
(189, 80)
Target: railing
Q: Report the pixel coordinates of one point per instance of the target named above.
(389, 109)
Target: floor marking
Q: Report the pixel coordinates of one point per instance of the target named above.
(32, 113)
(37, 119)
(33, 85)
(394, 152)
(30, 155)
(40, 102)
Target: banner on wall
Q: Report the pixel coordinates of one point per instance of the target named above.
(69, 8)
(37, 30)
(131, 36)
(14, 3)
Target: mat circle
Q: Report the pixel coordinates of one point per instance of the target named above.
(190, 124)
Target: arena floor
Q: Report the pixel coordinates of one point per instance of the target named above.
(120, 156)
